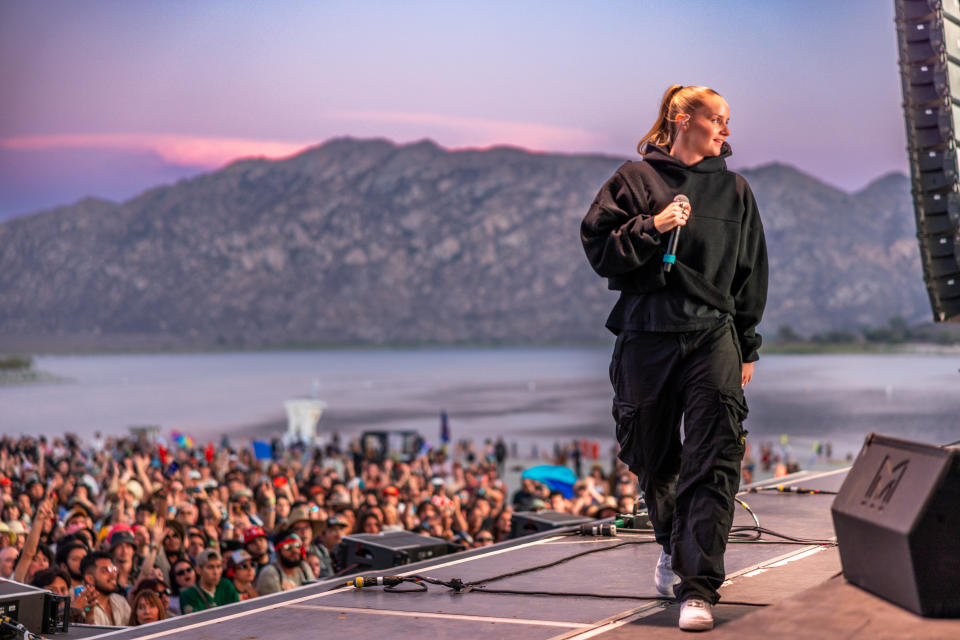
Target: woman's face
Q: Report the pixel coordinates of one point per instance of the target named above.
(246, 571)
(707, 127)
(146, 612)
(39, 563)
(283, 508)
(184, 574)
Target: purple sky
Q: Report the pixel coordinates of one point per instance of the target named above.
(110, 98)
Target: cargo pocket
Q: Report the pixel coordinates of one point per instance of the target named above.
(737, 410)
(625, 414)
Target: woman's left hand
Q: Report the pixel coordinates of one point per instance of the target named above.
(746, 373)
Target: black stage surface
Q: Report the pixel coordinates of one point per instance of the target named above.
(799, 581)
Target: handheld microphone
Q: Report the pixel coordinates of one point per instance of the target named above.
(671, 255)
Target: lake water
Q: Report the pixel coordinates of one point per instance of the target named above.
(528, 395)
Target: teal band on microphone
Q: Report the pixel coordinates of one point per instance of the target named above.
(669, 257)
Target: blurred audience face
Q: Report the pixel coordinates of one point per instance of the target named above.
(290, 554)
(258, 547)
(211, 573)
(184, 574)
(8, 558)
(74, 559)
(314, 561)
(39, 563)
(58, 586)
(245, 572)
(123, 553)
(187, 514)
(171, 540)
(371, 524)
(195, 544)
(332, 536)
(483, 539)
(104, 576)
(303, 529)
(145, 608)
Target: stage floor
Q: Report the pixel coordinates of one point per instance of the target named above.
(608, 594)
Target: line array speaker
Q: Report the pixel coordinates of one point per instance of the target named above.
(928, 34)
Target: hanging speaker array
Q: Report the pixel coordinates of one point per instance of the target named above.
(928, 33)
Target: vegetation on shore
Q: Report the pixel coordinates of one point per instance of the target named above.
(896, 336)
(16, 363)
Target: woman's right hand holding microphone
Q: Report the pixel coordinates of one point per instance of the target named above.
(674, 215)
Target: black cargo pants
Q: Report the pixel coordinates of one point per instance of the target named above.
(689, 488)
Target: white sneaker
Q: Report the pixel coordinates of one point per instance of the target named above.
(664, 575)
(696, 615)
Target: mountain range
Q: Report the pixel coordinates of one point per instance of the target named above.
(369, 242)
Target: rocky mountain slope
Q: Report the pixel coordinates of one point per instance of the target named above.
(364, 241)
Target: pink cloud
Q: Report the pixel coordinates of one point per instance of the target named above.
(459, 131)
(203, 151)
(452, 132)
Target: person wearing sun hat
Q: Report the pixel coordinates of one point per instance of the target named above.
(300, 523)
(123, 551)
(289, 571)
(7, 537)
(19, 532)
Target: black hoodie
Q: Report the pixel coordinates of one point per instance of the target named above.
(721, 264)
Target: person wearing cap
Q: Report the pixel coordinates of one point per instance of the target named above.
(242, 570)
(123, 550)
(255, 543)
(211, 589)
(331, 537)
(289, 571)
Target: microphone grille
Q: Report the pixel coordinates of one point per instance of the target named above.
(681, 198)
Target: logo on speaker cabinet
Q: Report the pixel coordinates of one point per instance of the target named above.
(884, 483)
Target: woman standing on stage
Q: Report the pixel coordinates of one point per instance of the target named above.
(686, 333)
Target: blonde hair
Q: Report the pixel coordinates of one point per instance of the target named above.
(676, 100)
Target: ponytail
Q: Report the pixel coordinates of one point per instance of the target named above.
(676, 100)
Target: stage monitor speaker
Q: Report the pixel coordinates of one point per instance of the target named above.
(898, 524)
(391, 549)
(928, 37)
(39, 610)
(524, 523)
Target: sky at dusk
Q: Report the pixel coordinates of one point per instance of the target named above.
(110, 98)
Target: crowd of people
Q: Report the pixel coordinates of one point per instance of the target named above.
(135, 530)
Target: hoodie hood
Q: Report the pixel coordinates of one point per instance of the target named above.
(711, 164)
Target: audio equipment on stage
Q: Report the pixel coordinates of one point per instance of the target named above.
(670, 256)
(391, 549)
(928, 34)
(898, 524)
(524, 523)
(36, 609)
